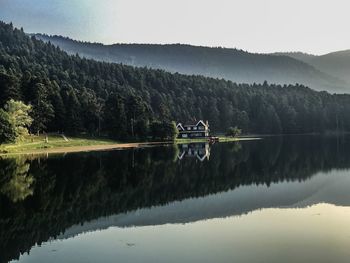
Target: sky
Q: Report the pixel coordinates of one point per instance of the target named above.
(260, 26)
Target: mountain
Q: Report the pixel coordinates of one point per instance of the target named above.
(78, 95)
(231, 64)
(336, 64)
(305, 57)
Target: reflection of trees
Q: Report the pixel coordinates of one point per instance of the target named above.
(80, 187)
(16, 183)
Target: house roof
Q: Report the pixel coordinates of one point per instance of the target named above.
(179, 125)
(192, 125)
(202, 122)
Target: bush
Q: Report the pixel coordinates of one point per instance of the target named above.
(163, 130)
(233, 131)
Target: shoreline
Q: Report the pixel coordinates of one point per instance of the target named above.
(114, 146)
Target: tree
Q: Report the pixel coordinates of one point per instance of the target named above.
(138, 115)
(43, 110)
(170, 130)
(19, 119)
(57, 123)
(73, 122)
(233, 132)
(163, 130)
(72, 94)
(141, 127)
(7, 131)
(114, 118)
(213, 114)
(10, 88)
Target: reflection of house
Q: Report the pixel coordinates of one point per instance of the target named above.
(201, 151)
(200, 129)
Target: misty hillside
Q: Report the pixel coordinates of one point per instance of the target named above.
(232, 64)
(305, 57)
(336, 63)
(75, 95)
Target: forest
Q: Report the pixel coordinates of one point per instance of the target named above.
(218, 62)
(74, 95)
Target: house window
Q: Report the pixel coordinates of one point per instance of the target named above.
(195, 128)
(201, 128)
(184, 135)
(188, 128)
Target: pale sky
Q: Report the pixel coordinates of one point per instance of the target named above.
(312, 26)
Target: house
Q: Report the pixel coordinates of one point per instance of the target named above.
(198, 130)
(201, 151)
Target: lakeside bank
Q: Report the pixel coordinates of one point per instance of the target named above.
(57, 144)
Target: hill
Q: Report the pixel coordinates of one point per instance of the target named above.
(305, 57)
(336, 64)
(231, 64)
(73, 94)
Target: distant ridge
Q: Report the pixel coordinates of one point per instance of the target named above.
(336, 63)
(305, 57)
(232, 64)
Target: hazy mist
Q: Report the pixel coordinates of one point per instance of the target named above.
(254, 25)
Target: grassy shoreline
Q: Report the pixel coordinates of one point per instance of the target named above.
(58, 144)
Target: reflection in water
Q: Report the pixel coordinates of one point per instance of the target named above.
(317, 234)
(201, 151)
(16, 183)
(321, 188)
(87, 191)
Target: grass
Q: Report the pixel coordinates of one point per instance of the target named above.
(32, 143)
(38, 144)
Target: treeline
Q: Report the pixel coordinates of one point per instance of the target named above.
(74, 95)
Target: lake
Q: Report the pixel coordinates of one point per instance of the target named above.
(279, 199)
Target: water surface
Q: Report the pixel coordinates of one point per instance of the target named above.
(281, 199)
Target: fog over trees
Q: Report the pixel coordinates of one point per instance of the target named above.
(73, 94)
(329, 72)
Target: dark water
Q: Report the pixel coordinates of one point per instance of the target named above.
(281, 199)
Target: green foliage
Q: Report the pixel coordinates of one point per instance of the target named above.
(171, 130)
(163, 130)
(19, 185)
(72, 94)
(115, 117)
(7, 131)
(233, 131)
(10, 87)
(43, 111)
(217, 62)
(18, 118)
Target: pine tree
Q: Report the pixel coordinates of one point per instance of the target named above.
(43, 111)
(10, 88)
